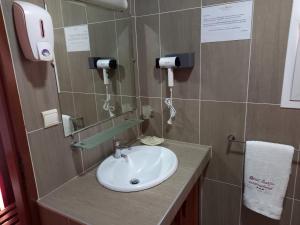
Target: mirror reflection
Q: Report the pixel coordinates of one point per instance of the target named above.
(95, 64)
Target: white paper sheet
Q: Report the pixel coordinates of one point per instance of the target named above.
(226, 22)
(77, 38)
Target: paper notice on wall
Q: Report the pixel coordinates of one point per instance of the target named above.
(226, 22)
(77, 38)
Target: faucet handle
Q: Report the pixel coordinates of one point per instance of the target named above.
(116, 142)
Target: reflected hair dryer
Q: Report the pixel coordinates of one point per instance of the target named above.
(169, 63)
(105, 64)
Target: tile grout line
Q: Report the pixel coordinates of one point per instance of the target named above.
(217, 101)
(34, 131)
(200, 108)
(92, 72)
(109, 21)
(54, 65)
(294, 189)
(33, 167)
(118, 57)
(180, 10)
(139, 101)
(167, 12)
(160, 72)
(246, 111)
(222, 182)
(98, 22)
(186, 9)
(68, 62)
(200, 74)
(60, 186)
(101, 94)
(71, 81)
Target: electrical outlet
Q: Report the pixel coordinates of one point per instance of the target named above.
(50, 118)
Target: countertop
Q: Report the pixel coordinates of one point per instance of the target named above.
(85, 200)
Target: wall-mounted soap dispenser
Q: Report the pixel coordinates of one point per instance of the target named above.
(34, 30)
(171, 62)
(106, 64)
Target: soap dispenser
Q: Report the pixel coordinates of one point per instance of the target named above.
(34, 29)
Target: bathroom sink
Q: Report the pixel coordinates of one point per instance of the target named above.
(140, 168)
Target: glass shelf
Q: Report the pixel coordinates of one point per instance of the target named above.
(106, 135)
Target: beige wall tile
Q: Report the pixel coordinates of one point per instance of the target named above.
(186, 125)
(180, 33)
(270, 33)
(153, 126)
(53, 160)
(54, 8)
(98, 14)
(116, 103)
(148, 50)
(145, 7)
(67, 104)
(105, 48)
(170, 5)
(126, 13)
(296, 214)
(274, 124)
(73, 13)
(220, 204)
(224, 70)
(81, 75)
(126, 56)
(93, 157)
(61, 59)
(85, 107)
(218, 120)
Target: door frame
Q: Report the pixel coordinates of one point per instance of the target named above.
(14, 137)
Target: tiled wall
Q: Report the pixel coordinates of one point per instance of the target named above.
(234, 88)
(53, 159)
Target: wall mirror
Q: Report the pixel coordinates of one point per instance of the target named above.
(88, 30)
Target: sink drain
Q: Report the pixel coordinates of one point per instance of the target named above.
(134, 181)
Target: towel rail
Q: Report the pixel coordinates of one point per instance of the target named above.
(231, 139)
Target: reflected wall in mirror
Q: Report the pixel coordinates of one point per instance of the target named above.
(85, 31)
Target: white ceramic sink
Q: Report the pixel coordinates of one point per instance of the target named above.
(143, 168)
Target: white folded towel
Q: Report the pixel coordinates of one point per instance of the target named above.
(267, 172)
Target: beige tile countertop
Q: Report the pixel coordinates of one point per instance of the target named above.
(85, 200)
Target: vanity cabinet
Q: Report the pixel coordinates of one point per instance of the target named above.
(99, 206)
(189, 212)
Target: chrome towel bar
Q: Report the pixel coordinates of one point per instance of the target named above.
(231, 138)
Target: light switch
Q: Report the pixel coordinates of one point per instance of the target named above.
(50, 118)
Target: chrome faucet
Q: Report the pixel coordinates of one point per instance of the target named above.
(118, 149)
